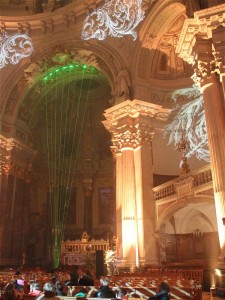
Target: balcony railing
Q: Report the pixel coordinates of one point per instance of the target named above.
(199, 177)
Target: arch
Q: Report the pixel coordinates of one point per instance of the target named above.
(202, 206)
(109, 63)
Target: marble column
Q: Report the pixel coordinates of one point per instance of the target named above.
(130, 124)
(201, 43)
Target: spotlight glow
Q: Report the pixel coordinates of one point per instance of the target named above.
(116, 18)
(14, 47)
(190, 120)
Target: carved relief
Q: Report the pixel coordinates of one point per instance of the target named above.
(185, 187)
(132, 139)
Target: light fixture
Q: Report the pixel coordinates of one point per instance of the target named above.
(115, 18)
(14, 47)
(183, 147)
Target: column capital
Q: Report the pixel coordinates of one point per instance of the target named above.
(130, 123)
(206, 64)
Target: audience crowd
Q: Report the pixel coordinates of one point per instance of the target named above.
(55, 285)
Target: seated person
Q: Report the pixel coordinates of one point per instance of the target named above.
(105, 291)
(85, 278)
(121, 293)
(49, 292)
(164, 292)
(19, 287)
(59, 289)
(82, 293)
(10, 292)
(35, 289)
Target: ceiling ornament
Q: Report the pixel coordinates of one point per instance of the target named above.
(14, 47)
(190, 121)
(115, 18)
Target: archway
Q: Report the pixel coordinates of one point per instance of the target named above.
(60, 115)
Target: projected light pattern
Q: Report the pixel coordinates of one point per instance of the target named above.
(190, 120)
(14, 47)
(65, 111)
(57, 72)
(116, 18)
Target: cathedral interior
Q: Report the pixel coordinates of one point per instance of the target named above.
(112, 122)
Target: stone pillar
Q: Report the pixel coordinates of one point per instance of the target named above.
(130, 124)
(15, 170)
(202, 44)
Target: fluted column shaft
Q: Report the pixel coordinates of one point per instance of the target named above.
(129, 228)
(119, 185)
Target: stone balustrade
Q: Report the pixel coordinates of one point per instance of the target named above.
(198, 178)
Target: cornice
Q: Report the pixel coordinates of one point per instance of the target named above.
(203, 24)
(61, 19)
(135, 108)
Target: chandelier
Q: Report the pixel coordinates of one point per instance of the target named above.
(14, 47)
(115, 18)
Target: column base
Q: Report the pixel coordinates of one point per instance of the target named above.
(221, 263)
(124, 265)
